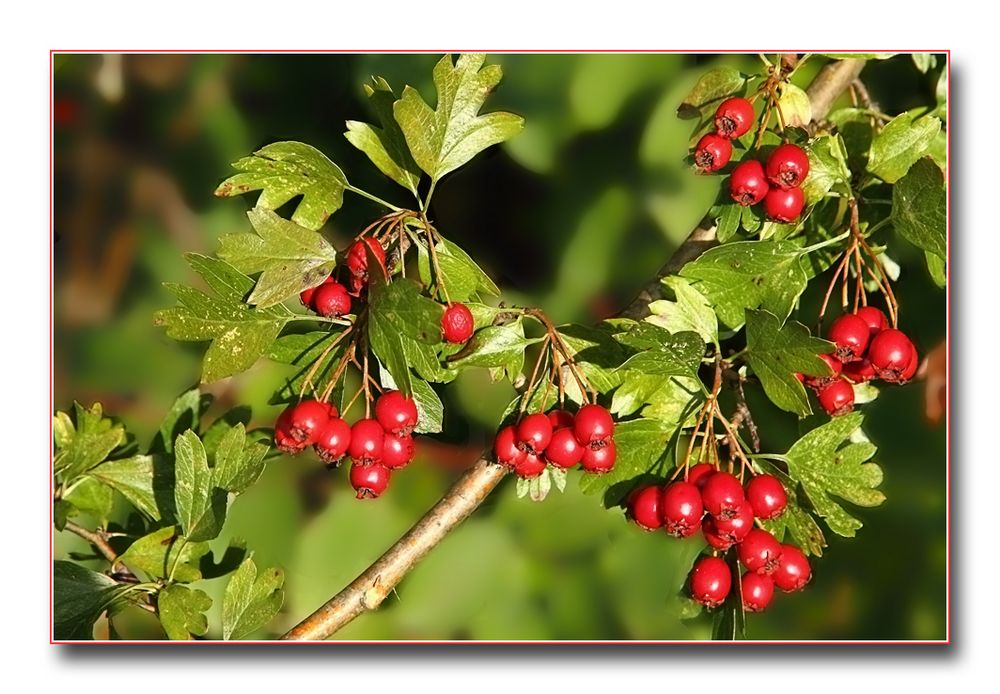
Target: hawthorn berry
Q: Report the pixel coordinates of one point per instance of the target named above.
(397, 450)
(457, 324)
(283, 439)
(644, 507)
(710, 581)
(357, 256)
(682, 509)
(910, 370)
(891, 353)
(560, 419)
(788, 166)
(331, 300)
(836, 366)
(767, 497)
(396, 412)
(600, 459)
(699, 474)
(722, 495)
(874, 317)
(712, 153)
(759, 551)
(333, 441)
(713, 537)
(784, 205)
(306, 418)
(837, 398)
(535, 432)
(734, 117)
(505, 446)
(793, 570)
(306, 295)
(531, 465)
(734, 529)
(369, 481)
(851, 334)
(860, 371)
(564, 450)
(367, 437)
(757, 591)
(747, 184)
(593, 424)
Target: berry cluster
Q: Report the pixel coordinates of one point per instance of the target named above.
(867, 349)
(777, 183)
(376, 446)
(560, 439)
(716, 503)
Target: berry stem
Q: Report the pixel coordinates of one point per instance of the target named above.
(373, 198)
(319, 360)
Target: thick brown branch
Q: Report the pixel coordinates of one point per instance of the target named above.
(96, 539)
(830, 83)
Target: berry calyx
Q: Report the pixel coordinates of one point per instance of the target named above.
(874, 317)
(837, 398)
(722, 495)
(397, 450)
(747, 183)
(369, 481)
(396, 412)
(682, 509)
(710, 581)
(891, 353)
(851, 334)
(734, 117)
(333, 441)
(560, 419)
(593, 424)
(306, 295)
(331, 300)
(788, 166)
(759, 551)
(767, 497)
(757, 591)
(283, 439)
(644, 507)
(457, 324)
(505, 447)
(699, 474)
(860, 371)
(306, 419)
(712, 152)
(600, 459)
(531, 465)
(534, 432)
(564, 450)
(713, 537)
(734, 529)
(836, 366)
(367, 437)
(784, 205)
(793, 570)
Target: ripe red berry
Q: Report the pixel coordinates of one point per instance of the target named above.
(876, 320)
(306, 295)
(788, 166)
(397, 450)
(712, 153)
(891, 353)
(600, 459)
(332, 300)
(306, 419)
(747, 184)
(759, 551)
(357, 256)
(283, 439)
(564, 450)
(837, 398)
(710, 581)
(396, 412)
(793, 570)
(333, 441)
(699, 474)
(851, 335)
(767, 497)
(457, 324)
(734, 529)
(369, 481)
(860, 371)
(757, 591)
(722, 495)
(535, 432)
(505, 446)
(836, 366)
(531, 465)
(911, 369)
(713, 537)
(367, 437)
(734, 117)
(682, 509)
(560, 419)
(784, 205)
(644, 507)
(593, 424)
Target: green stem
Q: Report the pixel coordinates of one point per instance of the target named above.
(319, 319)
(374, 198)
(183, 543)
(824, 244)
(427, 201)
(878, 225)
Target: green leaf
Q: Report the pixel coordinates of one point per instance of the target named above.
(729, 623)
(827, 169)
(828, 465)
(495, 345)
(776, 352)
(79, 597)
(182, 611)
(424, 360)
(794, 106)
(201, 506)
(461, 276)
(289, 258)
(596, 352)
(240, 335)
(919, 206)
(924, 61)
(301, 350)
(728, 221)
(712, 86)
(386, 147)
(662, 353)
(795, 521)
(164, 552)
(690, 311)
(401, 306)
(861, 56)
(903, 140)
(640, 446)
(283, 170)
(387, 345)
(443, 139)
(90, 496)
(238, 462)
(430, 410)
(251, 600)
(144, 480)
(185, 413)
(937, 267)
(85, 444)
(749, 274)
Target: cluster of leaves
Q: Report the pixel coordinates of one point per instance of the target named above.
(176, 495)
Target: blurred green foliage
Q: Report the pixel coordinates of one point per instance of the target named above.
(573, 215)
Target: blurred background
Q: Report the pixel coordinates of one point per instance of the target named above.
(572, 215)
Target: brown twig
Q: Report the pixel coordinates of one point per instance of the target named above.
(100, 543)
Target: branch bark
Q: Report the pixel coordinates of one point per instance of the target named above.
(369, 589)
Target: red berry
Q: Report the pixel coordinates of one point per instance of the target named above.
(860, 371)
(851, 335)
(283, 439)
(332, 300)
(333, 441)
(367, 437)
(699, 474)
(766, 496)
(736, 528)
(357, 256)
(644, 507)
(788, 166)
(836, 366)
(505, 446)
(397, 450)
(757, 591)
(369, 481)
(837, 398)
(593, 424)
(531, 465)
(715, 540)
(793, 570)
(681, 509)
(759, 551)
(564, 450)
(876, 320)
(712, 153)
(722, 495)
(535, 432)
(457, 324)
(891, 353)
(800, 377)
(747, 184)
(734, 117)
(560, 419)
(306, 296)
(600, 459)
(331, 410)
(784, 205)
(911, 369)
(710, 581)
(396, 412)
(306, 419)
